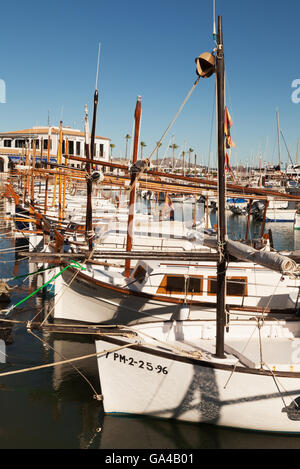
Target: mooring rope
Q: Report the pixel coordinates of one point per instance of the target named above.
(64, 362)
(62, 356)
(72, 264)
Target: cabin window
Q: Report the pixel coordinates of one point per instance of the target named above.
(177, 284)
(235, 286)
(78, 148)
(140, 274)
(7, 143)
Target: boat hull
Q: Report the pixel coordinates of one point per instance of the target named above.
(155, 384)
(80, 297)
(92, 302)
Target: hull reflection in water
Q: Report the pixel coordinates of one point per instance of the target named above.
(148, 433)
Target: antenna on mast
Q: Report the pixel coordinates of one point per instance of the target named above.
(214, 21)
(98, 63)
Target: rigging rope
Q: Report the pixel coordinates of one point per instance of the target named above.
(166, 132)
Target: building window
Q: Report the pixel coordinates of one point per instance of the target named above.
(101, 152)
(78, 148)
(19, 143)
(178, 284)
(46, 144)
(37, 143)
(71, 147)
(7, 143)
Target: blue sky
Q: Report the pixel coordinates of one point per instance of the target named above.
(48, 61)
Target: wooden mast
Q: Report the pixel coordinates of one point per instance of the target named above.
(89, 208)
(137, 117)
(32, 172)
(48, 167)
(89, 220)
(89, 167)
(65, 180)
(60, 177)
(221, 264)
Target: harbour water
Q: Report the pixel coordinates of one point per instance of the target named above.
(55, 407)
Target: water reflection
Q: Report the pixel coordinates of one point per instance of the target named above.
(147, 433)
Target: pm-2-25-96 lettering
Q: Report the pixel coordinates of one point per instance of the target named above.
(138, 363)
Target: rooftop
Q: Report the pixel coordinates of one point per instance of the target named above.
(44, 131)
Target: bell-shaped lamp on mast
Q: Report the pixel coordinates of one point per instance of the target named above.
(205, 64)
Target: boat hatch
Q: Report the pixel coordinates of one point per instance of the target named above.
(139, 275)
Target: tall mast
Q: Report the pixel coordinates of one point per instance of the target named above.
(32, 172)
(278, 139)
(137, 116)
(89, 208)
(48, 167)
(60, 177)
(221, 264)
(89, 219)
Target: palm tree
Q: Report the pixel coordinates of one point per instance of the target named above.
(190, 152)
(158, 144)
(173, 146)
(143, 144)
(127, 137)
(112, 145)
(183, 162)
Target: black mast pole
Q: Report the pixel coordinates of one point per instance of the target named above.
(89, 208)
(221, 265)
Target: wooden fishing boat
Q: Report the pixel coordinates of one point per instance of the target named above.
(242, 374)
(169, 370)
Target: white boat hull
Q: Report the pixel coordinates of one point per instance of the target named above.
(153, 382)
(80, 297)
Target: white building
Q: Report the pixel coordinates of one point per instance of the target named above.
(14, 145)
